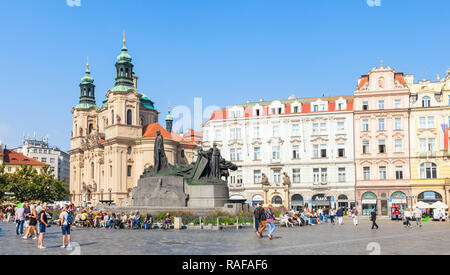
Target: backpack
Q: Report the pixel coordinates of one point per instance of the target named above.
(69, 218)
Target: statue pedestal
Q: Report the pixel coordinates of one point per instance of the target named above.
(164, 191)
(208, 195)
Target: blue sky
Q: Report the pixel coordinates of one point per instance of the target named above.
(223, 51)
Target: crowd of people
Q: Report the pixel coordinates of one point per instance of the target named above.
(32, 220)
(306, 217)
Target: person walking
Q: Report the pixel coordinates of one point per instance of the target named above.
(326, 214)
(332, 215)
(32, 224)
(373, 218)
(19, 219)
(65, 227)
(42, 218)
(355, 216)
(418, 216)
(256, 215)
(270, 220)
(408, 216)
(340, 215)
(261, 214)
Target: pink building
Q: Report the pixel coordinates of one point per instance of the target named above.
(382, 141)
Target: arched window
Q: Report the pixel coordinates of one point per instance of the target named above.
(428, 170)
(277, 200)
(142, 121)
(91, 127)
(342, 198)
(127, 73)
(121, 71)
(92, 170)
(297, 199)
(129, 117)
(429, 196)
(112, 117)
(426, 101)
(129, 150)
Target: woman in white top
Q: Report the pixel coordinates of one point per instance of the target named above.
(407, 217)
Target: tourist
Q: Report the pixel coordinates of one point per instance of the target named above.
(320, 214)
(137, 220)
(9, 213)
(26, 213)
(270, 220)
(326, 214)
(355, 216)
(99, 219)
(167, 219)
(90, 219)
(65, 227)
(123, 219)
(373, 218)
(42, 226)
(105, 221)
(261, 214)
(32, 224)
(408, 216)
(418, 217)
(19, 219)
(148, 221)
(256, 215)
(332, 215)
(340, 215)
(131, 219)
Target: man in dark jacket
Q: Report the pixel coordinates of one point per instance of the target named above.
(256, 214)
(373, 218)
(260, 214)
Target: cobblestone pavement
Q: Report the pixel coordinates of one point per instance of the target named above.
(391, 238)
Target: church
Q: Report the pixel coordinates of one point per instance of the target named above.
(111, 145)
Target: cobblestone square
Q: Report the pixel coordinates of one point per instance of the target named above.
(391, 239)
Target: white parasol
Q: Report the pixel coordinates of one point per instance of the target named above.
(422, 205)
(439, 205)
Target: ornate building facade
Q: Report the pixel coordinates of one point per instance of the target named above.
(381, 127)
(429, 124)
(112, 145)
(296, 152)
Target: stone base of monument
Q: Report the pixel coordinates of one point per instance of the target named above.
(209, 195)
(176, 192)
(165, 191)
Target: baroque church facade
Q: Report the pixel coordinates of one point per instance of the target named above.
(111, 145)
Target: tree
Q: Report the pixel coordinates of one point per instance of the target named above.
(3, 182)
(29, 185)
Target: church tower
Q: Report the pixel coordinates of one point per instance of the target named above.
(85, 112)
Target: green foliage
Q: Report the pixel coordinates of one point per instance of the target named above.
(29, 185)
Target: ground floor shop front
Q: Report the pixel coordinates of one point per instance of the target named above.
(384, 199)
(299, 198)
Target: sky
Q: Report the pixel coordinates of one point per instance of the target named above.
(224, 52)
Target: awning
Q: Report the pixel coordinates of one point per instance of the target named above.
(369, 202)
(258, 198)
(237, 198)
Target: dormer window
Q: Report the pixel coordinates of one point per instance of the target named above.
(426, 101)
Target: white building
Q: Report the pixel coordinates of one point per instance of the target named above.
(311, 140)
(40, 150)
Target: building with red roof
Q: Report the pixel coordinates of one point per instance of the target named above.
(13, 160)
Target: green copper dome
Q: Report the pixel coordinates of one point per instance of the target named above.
(124, 57)
(87, 78)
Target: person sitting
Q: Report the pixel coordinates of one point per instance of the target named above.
(84, 218)
(131, 219)
(137, 220)
(148, 221)
(105, 222)
(123, 220)
(167, 219)
(90, 219)
(98, 222)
